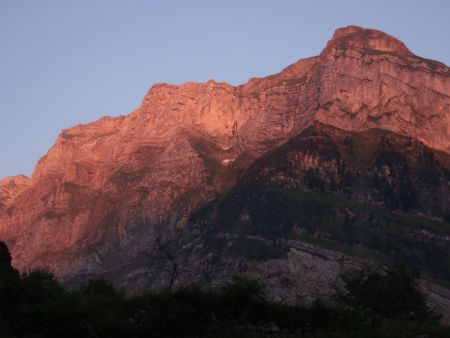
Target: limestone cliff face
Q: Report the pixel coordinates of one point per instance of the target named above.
(368, 79)
(95, 200)
(10, 187)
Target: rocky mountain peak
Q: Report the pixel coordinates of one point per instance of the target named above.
(98, 196)
(367, 40)
(12, 185)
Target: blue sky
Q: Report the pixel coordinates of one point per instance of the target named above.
(67, 62)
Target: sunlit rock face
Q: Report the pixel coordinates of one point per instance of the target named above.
(369, 79)
(95, 200)
(10, 187)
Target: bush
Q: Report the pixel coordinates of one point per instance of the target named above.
(389, 293)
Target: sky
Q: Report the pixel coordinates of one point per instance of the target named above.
(67, 62)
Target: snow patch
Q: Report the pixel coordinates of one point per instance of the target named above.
(228, 161)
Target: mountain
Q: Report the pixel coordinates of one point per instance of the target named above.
(338, 161)
(371, 194)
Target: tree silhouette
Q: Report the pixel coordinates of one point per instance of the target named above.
(168, 250)
(5, 258)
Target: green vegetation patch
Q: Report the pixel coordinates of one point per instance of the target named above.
(66, 136)
(255, 250)
(338, 223)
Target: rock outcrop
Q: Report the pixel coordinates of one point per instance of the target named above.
(103, 192)
(10, 187)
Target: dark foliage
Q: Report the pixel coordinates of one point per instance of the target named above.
(5, 257)
(387, 293)
(374, 304)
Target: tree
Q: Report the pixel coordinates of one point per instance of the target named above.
(389, 293)
(5, 258)
(170, 252)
